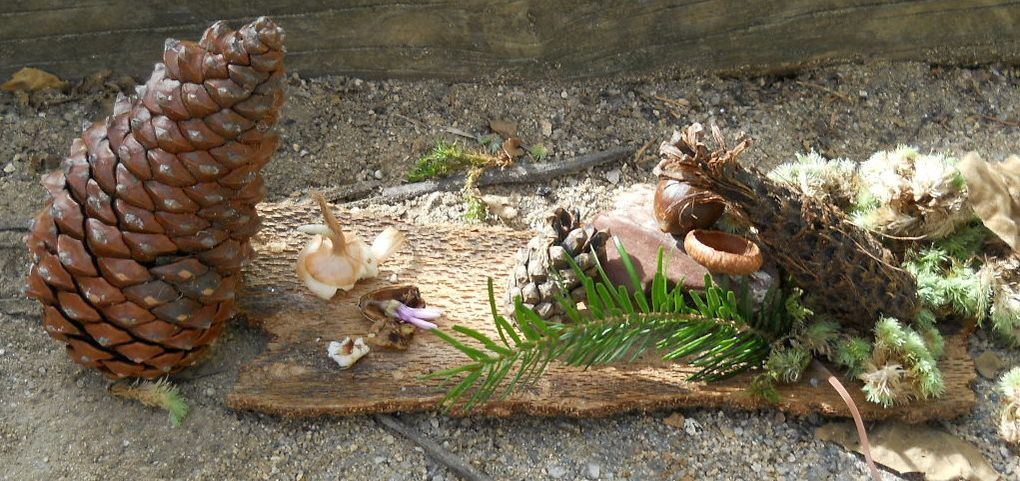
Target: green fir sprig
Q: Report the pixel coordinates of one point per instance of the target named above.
(717, 331)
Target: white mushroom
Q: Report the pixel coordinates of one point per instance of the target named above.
(347, 351)
(333, 261)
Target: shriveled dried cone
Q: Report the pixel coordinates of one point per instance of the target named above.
(845, 271)
(139, 249)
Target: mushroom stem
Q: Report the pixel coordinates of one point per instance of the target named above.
(339, 241)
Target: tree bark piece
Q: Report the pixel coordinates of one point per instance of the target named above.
(450, 264)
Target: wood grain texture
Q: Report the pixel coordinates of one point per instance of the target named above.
(450, 264)
(518, 38)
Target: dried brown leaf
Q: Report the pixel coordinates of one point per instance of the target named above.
(675, 420)
(512, 147)
(994, 192)
(989, 364)
(504, 128)
(909, 448)
(31, 79)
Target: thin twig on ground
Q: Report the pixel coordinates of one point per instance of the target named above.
(351, 192)
(517, 174)
(835, 93)
(19, 307)
(684, 103)
(409, 119)
(641, 152)
(461, 133)
(1006, 122)
(432, 449)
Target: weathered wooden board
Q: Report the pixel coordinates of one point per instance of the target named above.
(520, 38)
(450, 264)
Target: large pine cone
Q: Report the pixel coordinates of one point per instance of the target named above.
(845, 271)
(139, 250)
(543, 270)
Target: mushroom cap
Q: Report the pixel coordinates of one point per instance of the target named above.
(723, 253)
(324, 271)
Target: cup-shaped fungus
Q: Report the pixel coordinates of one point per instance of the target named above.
(723, 253)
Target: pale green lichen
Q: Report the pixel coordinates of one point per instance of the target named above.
(160, 394)
(853, 354)
(902, 366)
(786, 364)
(815, 176)
(948, 284)
(883, 384)
(908, 194)
(1009, 417)
(820, 337)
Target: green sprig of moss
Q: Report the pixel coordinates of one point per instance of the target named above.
(444, 159)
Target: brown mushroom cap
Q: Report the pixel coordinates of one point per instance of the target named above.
(723, 253)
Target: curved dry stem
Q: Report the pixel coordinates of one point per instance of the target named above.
(339, 241)
(862, 433)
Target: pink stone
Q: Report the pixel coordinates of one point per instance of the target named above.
(638, 231)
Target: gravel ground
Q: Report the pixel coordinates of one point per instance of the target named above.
(58, 422)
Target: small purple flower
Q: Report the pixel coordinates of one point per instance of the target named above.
(416, 316)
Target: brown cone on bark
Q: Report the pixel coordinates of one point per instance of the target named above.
(139, 249)
(542, 268)
(844, 270)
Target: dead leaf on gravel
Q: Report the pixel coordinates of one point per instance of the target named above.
(31, 79)
(908, 448)
(504, 128)
(676, 420)
(512, 147)
(989, 364)
(993, 189)
(501, 206)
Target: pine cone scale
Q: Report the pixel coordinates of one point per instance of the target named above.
(139, 249)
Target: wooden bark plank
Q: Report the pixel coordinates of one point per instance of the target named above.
(450, 263)
(522, 38)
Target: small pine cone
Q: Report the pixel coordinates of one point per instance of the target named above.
(139, 250)
(543, 269)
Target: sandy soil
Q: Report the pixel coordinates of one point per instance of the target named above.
(58, 422)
